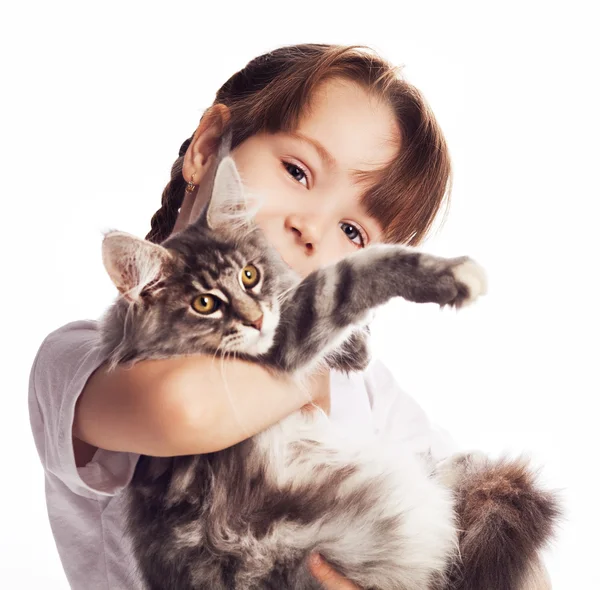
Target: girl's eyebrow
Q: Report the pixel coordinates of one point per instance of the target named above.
(359, 176)
(325, 156)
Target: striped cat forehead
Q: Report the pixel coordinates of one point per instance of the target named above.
(219, 260)
(209, 274)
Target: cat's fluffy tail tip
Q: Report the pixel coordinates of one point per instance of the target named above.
(508, 518)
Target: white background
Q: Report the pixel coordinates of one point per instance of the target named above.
(96, 99)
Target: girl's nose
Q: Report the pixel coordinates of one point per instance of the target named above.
(306, 232)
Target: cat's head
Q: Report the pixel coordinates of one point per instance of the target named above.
(214, 286)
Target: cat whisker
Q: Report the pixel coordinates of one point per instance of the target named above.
(282, 296)
(228, 352)
(216, 352)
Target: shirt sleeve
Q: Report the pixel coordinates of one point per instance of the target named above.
(64, 362)
(399, 420)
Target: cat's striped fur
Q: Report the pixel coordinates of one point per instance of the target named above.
(248, 516)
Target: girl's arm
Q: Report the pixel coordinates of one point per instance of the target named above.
(180, 406)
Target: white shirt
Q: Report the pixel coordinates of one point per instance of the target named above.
(85, 504)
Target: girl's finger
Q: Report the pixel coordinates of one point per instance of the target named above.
(325, 574)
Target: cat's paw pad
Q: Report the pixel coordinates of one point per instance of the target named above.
(471, 282)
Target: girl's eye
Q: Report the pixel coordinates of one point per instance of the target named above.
(206, 304)
(354, 233)
(296, 173)
(250, 276)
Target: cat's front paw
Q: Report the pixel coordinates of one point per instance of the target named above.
(470, 281)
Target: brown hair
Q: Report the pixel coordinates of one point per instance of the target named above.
(271, 93)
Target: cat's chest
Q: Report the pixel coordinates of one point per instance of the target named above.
(304, 447)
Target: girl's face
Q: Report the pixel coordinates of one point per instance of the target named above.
(307, 179)
(311, 211)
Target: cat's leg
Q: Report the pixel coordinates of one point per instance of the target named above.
(380, 520)
(374, 512)
(353, 355)
(319, 314)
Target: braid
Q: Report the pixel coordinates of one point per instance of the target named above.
(164, 219)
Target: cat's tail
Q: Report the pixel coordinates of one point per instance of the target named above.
(505, 519)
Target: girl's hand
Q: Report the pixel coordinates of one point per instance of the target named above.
(325, 574)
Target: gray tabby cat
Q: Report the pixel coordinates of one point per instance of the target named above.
(248, 516)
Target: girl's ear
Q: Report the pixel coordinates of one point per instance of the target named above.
(132, 263)
(204, 146)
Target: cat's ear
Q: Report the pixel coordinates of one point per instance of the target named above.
(228, 207)
(132, 263)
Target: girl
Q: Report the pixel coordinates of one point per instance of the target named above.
(344, 154)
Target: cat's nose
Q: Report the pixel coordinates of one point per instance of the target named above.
(256, 323)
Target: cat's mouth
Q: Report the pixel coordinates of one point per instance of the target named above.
(258, 343)
(255, 342)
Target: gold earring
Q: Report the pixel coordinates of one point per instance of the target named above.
(191, 187)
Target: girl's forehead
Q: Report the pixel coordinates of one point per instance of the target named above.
(353, 129)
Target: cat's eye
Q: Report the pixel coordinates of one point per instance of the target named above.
(206, 304)
(250, 276)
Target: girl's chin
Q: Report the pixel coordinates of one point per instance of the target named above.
(294, 268)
